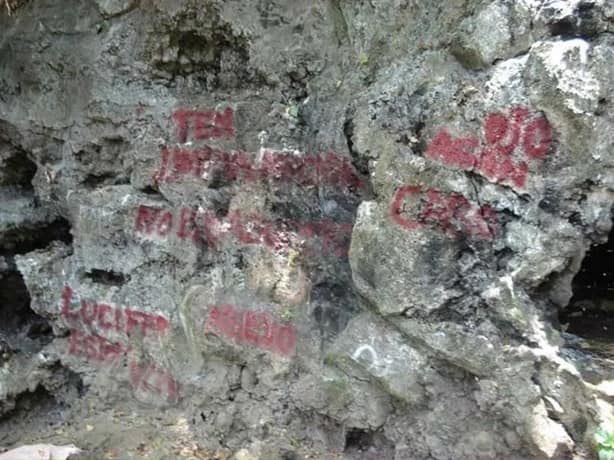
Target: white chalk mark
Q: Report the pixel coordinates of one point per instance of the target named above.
(375, 366)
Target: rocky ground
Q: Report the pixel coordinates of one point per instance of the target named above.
(334, 229)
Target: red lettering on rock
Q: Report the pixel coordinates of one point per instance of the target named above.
(248, 229)
(397, 206)
(103, 311)
(154, 380)
(146, 218)
(537, 138)
(453, 151)
(451, 212)
(500, 160)
(105, 317)
(187, 224)
(94, 348)
(66, 305)
(136, 319)
(161, 175)
(165, 224)
(204, 125)
(88, 318)
(255, 328)
(329, 169)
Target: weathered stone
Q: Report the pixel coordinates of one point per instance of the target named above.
(329, 229)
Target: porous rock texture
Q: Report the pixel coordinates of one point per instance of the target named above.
(279, 229)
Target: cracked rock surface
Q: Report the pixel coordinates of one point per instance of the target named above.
(334, 229)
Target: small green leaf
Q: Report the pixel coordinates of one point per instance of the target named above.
(363, 59)
(600, 436)
(293, 111)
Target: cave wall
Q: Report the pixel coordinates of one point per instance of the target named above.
(329, 227)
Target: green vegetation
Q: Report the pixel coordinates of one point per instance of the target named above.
(292, 110)
(604, 437)
(363, 59)
(287, 314)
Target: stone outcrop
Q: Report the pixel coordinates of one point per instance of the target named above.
(328, 229)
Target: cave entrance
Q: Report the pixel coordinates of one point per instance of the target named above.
(590, 313)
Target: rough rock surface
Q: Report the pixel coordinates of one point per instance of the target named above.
(272, 229)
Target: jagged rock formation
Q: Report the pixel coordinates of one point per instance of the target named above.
(328, 229)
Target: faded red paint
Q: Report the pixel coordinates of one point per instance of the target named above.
(537, 138)
(453, 151)
(451, 212)
(252, 327)
(188, 224)
(95, 348)
(511, 141)
(152, 379)
(100, 351)
(105, 317)
(238, 166)
(397, 206)
(210, 124)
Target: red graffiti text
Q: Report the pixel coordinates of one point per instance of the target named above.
(238, 166)
(189, 224)
(196, 125)
(512, 141)
(152, 379)
(252, 327)
(99, 351)
(451, 212)
(105, 317)
(95, 348)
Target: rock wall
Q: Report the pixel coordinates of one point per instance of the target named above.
(324, 229)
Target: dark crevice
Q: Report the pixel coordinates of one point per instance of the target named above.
(20, 327)
(108, 278)
(582, 24)
(358, 439)
(590, 313)
(367, 445)
(361, 164)
(149, 190)
(24, 240)
(98, 180)
(29, 403)
(565, 27)
(22, 170)
(49, 405)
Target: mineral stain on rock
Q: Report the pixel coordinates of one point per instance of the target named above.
(269, 229)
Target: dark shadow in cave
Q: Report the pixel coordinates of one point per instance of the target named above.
(20, 327)
(24, 240)
(590, 313)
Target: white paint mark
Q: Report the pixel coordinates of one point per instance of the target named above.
(376, 367)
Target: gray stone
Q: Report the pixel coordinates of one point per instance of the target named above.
(472, 179)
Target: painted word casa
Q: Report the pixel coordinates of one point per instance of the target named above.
(513, 140)
(106, 317)
(452, 213)
(252, 327)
